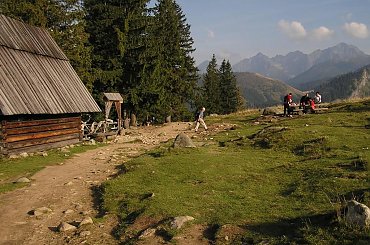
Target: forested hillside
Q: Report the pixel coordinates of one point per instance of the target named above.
(263, 91)
(350, 85)
(142, 51)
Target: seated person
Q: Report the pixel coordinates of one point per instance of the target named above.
(318, 98)
(305, 101)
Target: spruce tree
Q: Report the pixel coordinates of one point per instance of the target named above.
(230, 99)
(211, 88)
(174, 61)
(106, 27)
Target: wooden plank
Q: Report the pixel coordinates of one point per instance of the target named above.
(43, 147)
(30, 136)
(41, 128)
(43, 141)
(16, 124)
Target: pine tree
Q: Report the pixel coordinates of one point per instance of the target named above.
(211, 88)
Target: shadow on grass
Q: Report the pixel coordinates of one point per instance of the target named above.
(97, 195)
(211, 233)
(290, 228)
(361, 195)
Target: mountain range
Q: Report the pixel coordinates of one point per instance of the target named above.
(297, 68)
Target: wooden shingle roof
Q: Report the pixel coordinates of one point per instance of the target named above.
(35, 75)
(113, 97)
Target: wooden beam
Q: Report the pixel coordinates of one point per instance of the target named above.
(42, 147)
(41, 128)
(43, 141)
(14, 138)
(17, 124)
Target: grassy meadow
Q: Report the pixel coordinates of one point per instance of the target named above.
(280, 181)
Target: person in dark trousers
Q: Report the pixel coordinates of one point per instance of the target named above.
(199, 119)
(287, 101)
(304, 102)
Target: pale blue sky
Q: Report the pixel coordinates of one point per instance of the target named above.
(238, 29)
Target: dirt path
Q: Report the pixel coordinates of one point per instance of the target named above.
(70, 187)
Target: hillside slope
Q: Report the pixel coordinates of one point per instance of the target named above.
(324, 71)
(261, 91)
(350, 85)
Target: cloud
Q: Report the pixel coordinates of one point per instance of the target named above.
(322, 33)
(294, 29)
(357, 30)
(211, 34)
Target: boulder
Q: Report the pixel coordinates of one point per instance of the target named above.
(178, 222)
(86, 221)
(23, 180)
(271, 111)
(14, 156)
(182, 140)
(65, 227)
(357, 214)
(24, 154)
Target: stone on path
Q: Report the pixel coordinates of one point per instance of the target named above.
(68, 211)
(41, 211)
(147, 233)
(23, 180)
(85, 233)
(357, 214)
(182, 140)
(178, 222)
(86, 221)
(65, 227)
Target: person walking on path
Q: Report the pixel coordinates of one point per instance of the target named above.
(199, 119)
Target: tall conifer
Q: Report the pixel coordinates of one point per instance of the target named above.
(211, 88)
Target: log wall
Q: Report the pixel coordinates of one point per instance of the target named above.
(18, 136)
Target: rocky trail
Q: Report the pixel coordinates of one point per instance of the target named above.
(66, 193)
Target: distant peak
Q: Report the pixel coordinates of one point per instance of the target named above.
(260, 55)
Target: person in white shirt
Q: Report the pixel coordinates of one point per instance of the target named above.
(317, 98)
(199, 119)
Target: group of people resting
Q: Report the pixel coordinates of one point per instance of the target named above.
(306, 103)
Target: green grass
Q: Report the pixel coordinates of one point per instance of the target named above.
(283, 182)
(12, 169)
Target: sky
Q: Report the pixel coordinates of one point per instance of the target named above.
(239, 29)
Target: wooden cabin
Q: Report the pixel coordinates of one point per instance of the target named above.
(41, 96)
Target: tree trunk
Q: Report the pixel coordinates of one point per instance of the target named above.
(133, 120)
(126, 123)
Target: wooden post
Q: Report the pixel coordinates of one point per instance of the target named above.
(119, 113)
